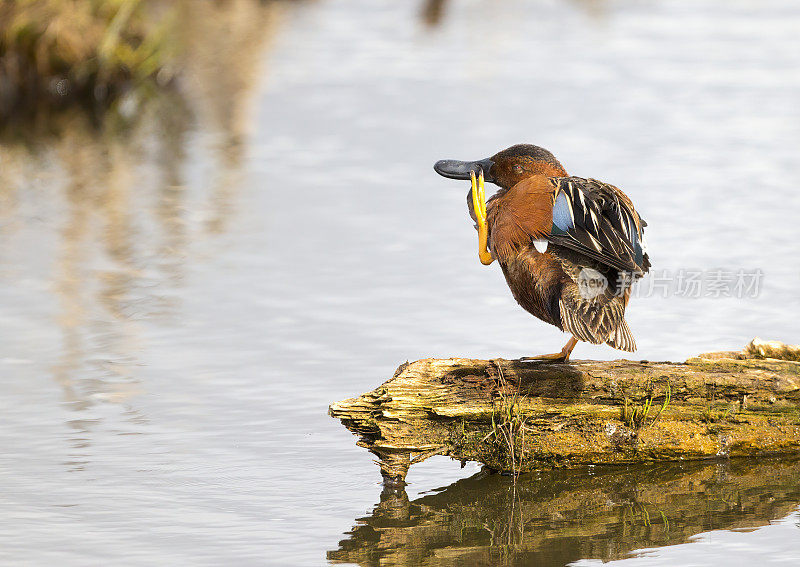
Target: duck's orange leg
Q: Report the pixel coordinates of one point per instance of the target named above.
(479, 205)
(562, 356)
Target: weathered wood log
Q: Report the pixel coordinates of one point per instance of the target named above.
(558, 517)
(516, 416)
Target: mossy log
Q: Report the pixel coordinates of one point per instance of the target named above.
(516, 416)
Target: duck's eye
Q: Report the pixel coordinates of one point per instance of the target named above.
(517, 168)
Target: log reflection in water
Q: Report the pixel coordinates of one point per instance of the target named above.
(557, 517)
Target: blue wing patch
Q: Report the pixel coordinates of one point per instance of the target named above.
(596, 219)
(562, 218)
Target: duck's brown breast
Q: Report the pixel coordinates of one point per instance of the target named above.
(536, 281)
(520, 214)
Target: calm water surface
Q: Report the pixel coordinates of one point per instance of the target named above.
(185, 292)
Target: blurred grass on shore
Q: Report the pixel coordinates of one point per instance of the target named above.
(62, 53)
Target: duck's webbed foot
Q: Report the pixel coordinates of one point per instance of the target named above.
(479, 206)
(562, 356)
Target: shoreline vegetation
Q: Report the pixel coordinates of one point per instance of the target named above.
(106, 66)
(57, 54)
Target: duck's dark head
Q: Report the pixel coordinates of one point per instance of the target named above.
(506, 168)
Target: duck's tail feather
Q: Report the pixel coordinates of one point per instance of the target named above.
(622, 338)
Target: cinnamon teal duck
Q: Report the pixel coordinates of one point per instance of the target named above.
(570, 248)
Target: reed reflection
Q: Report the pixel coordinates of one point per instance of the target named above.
(120, 213)
(433, 13)
(226, 47)
(557, 517)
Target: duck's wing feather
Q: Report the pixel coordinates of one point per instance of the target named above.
(598, 220)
